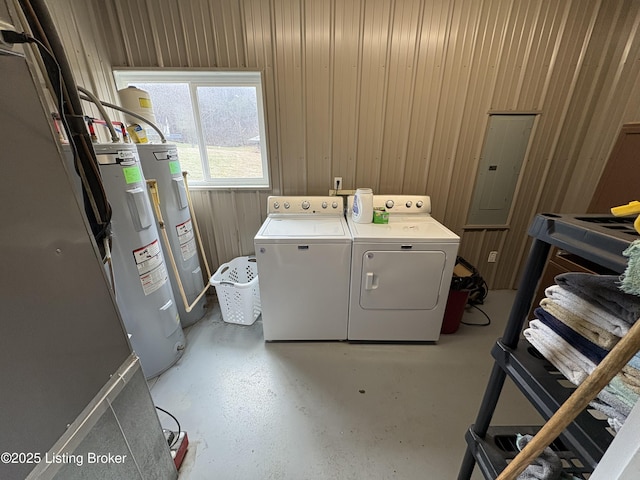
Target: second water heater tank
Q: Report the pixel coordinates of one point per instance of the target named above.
(160, 162)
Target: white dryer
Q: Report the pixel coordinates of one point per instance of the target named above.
(400, 272)
(303, 252)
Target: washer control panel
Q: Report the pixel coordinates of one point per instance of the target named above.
(305, 205)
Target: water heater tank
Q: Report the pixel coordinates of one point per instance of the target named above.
(138, 101)
(160, 162)
(143, 290)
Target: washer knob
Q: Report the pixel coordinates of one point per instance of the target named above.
(389, 204)
(419, 204)
(305, 205)
(287, 205)
(408, 204)
(276, 205)
(334, 204)
(324, 204)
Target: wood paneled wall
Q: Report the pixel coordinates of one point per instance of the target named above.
(393, 95)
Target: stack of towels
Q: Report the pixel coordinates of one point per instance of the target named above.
(581, 319)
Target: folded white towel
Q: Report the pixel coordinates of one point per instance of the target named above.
(629, 375)
(584, 327)
(571, 363)
(587, 310)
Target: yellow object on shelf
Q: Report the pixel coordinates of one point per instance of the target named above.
(632, 208)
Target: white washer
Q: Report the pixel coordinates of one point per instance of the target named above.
(303, 251)
(400, 272)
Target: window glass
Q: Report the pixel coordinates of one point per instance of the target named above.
(229, 119)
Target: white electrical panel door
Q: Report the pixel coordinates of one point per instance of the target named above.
(401, 280)
(502, 156)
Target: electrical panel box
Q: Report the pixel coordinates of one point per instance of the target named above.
(502, 156)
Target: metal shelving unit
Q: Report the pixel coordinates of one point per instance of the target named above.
(600, 239)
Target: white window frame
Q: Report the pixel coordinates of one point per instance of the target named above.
(208, 78)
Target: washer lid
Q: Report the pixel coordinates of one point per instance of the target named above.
(423, 228)
(314, 228)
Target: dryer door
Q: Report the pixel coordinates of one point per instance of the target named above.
(401, 280)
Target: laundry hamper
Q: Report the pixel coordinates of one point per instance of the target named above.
(236, 285)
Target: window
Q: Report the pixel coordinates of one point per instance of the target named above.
(216, 119)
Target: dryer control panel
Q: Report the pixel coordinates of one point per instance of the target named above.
(305, 205)
(404, 204)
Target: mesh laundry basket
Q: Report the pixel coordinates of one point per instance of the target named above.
(236, 284)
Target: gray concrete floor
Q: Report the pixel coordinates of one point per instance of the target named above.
(332, 410)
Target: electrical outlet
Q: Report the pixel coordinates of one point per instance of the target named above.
(493, 256)
(337, 183)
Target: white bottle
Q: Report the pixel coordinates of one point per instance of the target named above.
(362, 211)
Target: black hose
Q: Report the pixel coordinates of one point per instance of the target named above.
(44, 30)
(60, 76)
